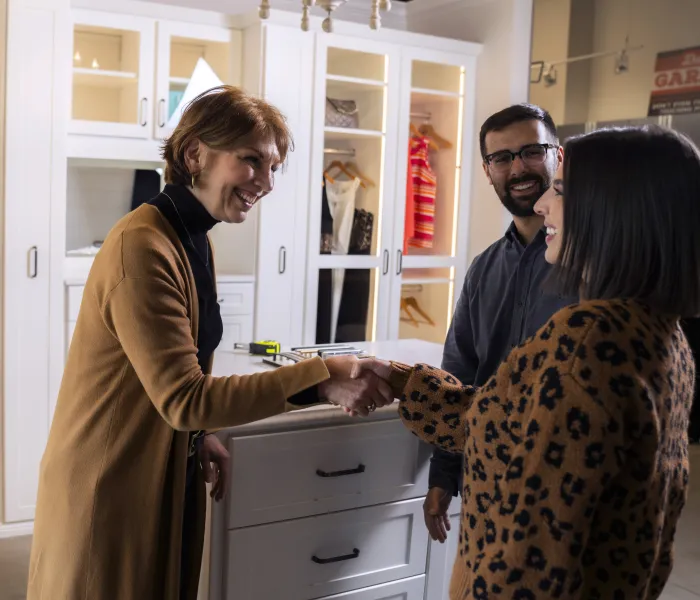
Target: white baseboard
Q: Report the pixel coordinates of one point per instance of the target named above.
(10, 530)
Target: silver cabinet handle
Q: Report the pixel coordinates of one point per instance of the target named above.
(143, 110)
(399, 262)
(33, 262)
(161, 112)
(385, 270)
(282, 260)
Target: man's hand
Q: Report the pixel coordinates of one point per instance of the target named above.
(215, 463)
(435, 508)
(357, 393)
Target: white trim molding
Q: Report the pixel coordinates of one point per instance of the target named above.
(11, 530)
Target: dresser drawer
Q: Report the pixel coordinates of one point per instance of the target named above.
(74, 296)
(290, 475)
(235, 298)
(407, 589)
(329, 554)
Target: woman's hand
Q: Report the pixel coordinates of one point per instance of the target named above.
(356, 391)
(381, 368)
(215, 463)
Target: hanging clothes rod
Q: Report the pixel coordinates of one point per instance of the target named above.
(421, 115)
(343, 151)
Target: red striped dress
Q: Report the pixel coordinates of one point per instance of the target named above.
(424, 191)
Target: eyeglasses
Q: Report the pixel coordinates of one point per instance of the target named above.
(532, 155)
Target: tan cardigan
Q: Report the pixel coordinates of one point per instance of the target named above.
(110, 503)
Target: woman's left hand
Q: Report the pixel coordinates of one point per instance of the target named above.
(215, 462)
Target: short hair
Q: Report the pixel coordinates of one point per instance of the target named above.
(221, 118)
(631, 219)
(516, 113)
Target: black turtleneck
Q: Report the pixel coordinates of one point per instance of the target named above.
(192, 222)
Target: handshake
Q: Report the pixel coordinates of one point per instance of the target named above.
(359, 386)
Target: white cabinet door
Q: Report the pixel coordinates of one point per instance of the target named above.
(30, 168)
(180, 45)
(441, 557)
(328, 554)
(406, 589)
(288, 54)
(237, 329)
(318, 471)
(113, 74)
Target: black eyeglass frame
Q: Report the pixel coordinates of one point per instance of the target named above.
(489, 157)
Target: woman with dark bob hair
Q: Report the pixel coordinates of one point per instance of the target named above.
(121, 503)
(576, 450)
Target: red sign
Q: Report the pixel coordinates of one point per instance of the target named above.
(676, 89)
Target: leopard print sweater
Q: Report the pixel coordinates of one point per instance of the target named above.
(576, 456)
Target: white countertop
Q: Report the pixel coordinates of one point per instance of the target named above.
(242, 363)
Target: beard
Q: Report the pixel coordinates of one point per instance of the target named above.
(523, 205)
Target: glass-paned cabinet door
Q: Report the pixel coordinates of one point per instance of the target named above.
(182, 48)
(432, 200)
(356, 87)
(113, 67)
(434, 159)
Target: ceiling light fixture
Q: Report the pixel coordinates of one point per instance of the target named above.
(375, 19)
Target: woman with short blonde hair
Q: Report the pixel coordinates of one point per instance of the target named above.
(121, 504)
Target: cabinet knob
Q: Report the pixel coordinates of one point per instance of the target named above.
(161, 112)
(282, 260)
(143, 112)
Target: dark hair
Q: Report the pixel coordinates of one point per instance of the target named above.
(220, 118)
(516, 114)
(632, 218)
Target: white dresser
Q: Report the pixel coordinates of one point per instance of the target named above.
(235, 296)
(325, 506)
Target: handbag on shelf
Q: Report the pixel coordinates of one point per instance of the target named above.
(341, 113)
(361, 233)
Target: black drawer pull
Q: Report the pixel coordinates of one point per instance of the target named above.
(335, 559)
(360, 469)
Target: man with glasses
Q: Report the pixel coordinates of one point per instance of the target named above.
(503, 300)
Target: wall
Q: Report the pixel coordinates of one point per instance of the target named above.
(591, 90)
(550, 42)
(658, 24)
(3, 70)
(504, 27)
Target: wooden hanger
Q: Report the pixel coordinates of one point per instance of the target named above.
(411, 318)
(416, 133)
(360, 175)
(428, 130)
(336, 164)
(411, 302)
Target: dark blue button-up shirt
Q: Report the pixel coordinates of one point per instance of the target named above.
(504, 300)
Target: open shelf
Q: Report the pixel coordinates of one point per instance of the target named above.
(342, 133)
(355, 81)
(356, 64)
(434, 96)
(179, 81)
(102, 78)
(427, 76)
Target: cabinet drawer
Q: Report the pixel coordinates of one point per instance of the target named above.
(291, 475)
(73, 300)
(407, 589)
(236, 329)
(235, 298)
(329, 554)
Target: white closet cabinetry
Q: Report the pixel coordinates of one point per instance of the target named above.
(129, 73)
(393, 288)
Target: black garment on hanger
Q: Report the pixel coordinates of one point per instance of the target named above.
(325, 276)
(354, 302)
(146, 187)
